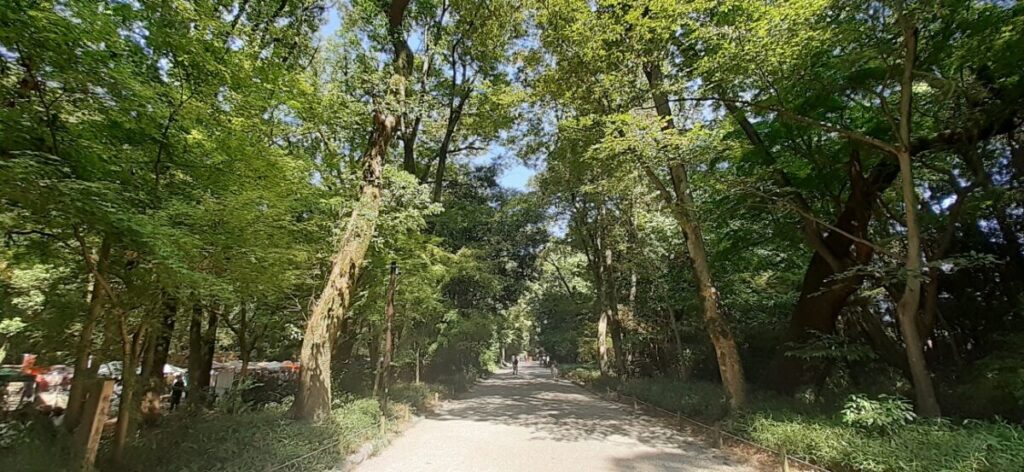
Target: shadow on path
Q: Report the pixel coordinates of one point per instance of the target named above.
(558, 410)
(531, 422)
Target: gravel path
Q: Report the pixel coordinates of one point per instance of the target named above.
(532, 423)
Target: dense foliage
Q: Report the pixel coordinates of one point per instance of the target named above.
(820, 199)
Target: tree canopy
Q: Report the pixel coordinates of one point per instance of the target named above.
(815, 198)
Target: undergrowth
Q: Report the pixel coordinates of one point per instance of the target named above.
(253, 440)
(231, 437)
(863, 434)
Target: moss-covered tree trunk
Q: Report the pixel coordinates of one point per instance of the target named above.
(313, 399)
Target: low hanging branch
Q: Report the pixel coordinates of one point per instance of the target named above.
(90, 264)
(797, 118)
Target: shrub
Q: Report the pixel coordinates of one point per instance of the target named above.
(232, 401)
(848, 441)
(457, 382)
(887, 413)
(265, 390)
(418, 396)
(358, 416)
(697, 399)
(918, 447)
(12, 433)
(583, 375)
(31, 442)
(254, 440)
(590, 376)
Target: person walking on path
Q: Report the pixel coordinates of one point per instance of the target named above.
(515, 365)
(177, 389)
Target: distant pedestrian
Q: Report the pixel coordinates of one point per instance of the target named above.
(177, 390)
(515, 365)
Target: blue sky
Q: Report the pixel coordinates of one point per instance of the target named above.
(513, 175)
(516, 177)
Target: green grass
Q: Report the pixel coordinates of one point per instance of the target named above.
(920, 446)
(817, 433)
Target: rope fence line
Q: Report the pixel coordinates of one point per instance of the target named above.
(718, 431)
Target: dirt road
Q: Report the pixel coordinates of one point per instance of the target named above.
(531, 423)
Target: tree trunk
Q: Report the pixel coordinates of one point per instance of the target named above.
(729, 366)
(146, 370)
(409, 147)
(822, 297)
(389, 321)
(618, 349)
(684, 367)
(373, 346)
(885, 347)
(158, 347)
(130, 348)
(83, 370)
(612, 306)
(124, 412)
(906, 310)
(680, 200)
(196, 359)
(209, 347)
(454, 115)
(345, 345)
(245, 356)
(313, 398)
(602, 341)
(242, 332)
(418, 364)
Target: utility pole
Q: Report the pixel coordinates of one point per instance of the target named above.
(389, 320)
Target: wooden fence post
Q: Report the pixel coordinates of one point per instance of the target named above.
(87, 435)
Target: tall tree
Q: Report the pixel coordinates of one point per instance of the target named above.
(313, 400)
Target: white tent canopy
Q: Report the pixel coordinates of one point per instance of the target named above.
(113, 369)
